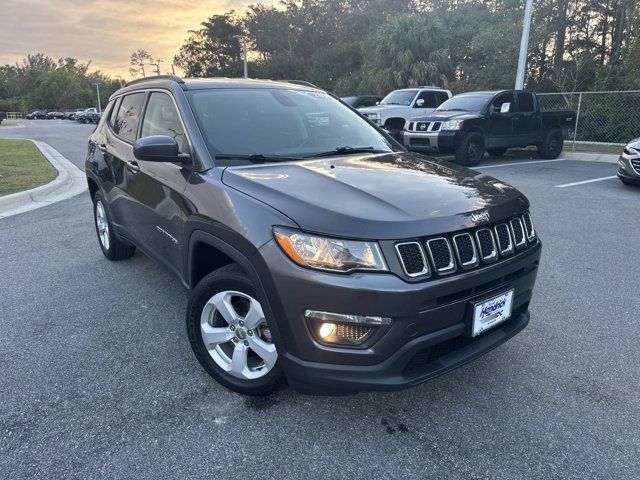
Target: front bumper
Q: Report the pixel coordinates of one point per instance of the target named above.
(444, 141)
(431, 321)
(629, 167)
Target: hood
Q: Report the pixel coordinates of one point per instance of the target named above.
(384, 196)
(442, 116)
(383, 108)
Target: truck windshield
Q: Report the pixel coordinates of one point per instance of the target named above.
(400, 97)
(467, 103)
(279, 122)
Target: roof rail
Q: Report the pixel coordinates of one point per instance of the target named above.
(430, 86)
(301, 82)
(174, 78)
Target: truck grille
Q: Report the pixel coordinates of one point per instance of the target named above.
(425, 126)
(465, 250)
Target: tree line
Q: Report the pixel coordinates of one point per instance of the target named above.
(374, 46)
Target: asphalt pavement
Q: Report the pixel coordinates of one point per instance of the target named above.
(97, 378)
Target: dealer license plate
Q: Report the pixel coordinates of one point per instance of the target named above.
(489, 313)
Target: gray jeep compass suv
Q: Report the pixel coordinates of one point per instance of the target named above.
(316, 249)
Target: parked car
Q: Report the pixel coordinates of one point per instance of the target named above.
(469, 124)
(317, 250)
(54, 115)
(71, 114)
(37, 114)
(89, 115)
(629, 163)
(361, 101)
(400, 105)
(3, 115)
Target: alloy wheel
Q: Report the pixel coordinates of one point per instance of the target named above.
(236, 335)
(102, 224)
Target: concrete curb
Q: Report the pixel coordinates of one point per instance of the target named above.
(70, 182)
(591, 157)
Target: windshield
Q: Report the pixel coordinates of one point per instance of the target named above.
(468, 103)
(400, 97)
(279, 122)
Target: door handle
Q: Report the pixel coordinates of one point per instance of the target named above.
(133, 167)
(102, 147)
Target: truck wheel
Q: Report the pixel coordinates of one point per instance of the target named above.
(496, 152)
(87, 121)
(471, 150)
(229, 334)
(112, 247)
(552, 145)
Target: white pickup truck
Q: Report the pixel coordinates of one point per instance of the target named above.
(402, 105)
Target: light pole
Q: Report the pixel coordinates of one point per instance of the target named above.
(524, 42)
(97, 84)
(119, 77)
(244, 48)
(157, 65)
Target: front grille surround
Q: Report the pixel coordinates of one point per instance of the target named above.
(460, 243)
(434, 249)
(490, 254)
(528, 226)
(504, 240)
(412, 272)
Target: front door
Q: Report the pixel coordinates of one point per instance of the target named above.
(501, 123)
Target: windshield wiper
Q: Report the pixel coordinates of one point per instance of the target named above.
(256, 157)
(346, 151)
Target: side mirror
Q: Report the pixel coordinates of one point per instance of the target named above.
(505, 107)
(378, 102)
(420, 102)
(156, 148)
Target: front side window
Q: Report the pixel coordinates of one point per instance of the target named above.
(400, 97)
(442, 97)
(161, 118)
(126, 123)
(279, 122)
(504, 98)
(429, 100)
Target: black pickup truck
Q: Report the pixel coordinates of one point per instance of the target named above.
(469, 124)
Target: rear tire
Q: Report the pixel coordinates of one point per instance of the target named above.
(224, 308)
(471, 150)
(112, 247)
(496, 152)
(552, 145)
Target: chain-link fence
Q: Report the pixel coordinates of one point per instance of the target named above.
(602, 117)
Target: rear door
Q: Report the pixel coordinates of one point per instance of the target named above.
(526, 120)
(500, 131)
(155, 189)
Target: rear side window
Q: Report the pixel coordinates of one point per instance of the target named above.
(128, 116)
(429, 98)
(441, 97)
(161, 118)
(525, 102)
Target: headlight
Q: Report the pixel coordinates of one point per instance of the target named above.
(631, 151)
(332, 254)
(451, 125)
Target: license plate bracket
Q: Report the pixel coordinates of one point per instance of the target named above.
(491, 312)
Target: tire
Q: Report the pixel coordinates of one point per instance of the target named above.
(552, 145)
(229, 290)
(112, 247)
(496, 152)
(471, 150)
(86, 121)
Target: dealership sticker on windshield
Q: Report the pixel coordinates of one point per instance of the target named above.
(491, 312)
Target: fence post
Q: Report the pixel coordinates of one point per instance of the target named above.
(575, 132)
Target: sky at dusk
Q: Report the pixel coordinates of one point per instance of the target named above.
(104, 31)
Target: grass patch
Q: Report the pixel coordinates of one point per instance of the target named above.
(22, 166)
(593, 148)
(8, 124)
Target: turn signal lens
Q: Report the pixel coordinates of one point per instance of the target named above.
(325, 253)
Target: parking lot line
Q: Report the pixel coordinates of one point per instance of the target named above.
(520, 163)
(585, 181)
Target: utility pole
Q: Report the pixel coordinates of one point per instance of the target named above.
(157, 65)
(97, 84)
(173, 69)
(119, 77)
(524, 42)
(244, 48)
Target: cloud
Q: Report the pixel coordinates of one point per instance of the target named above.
(104, 31)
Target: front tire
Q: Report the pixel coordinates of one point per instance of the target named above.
(471, 150)
(112, 247)
(229, 333)
(552, 145)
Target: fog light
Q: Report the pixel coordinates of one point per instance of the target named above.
(344, 329)
(327, 329)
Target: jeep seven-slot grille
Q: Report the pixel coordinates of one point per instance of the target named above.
(465, 250)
